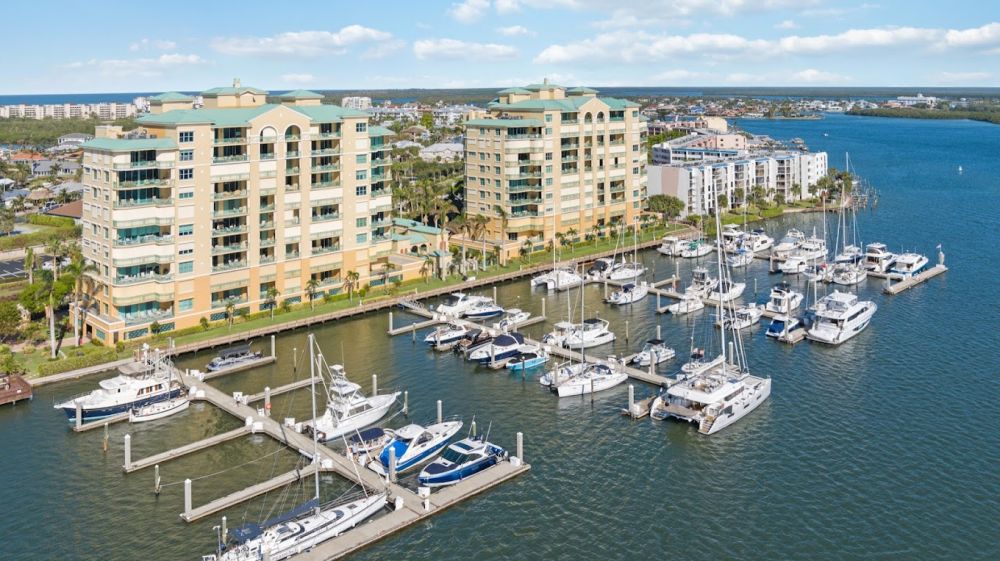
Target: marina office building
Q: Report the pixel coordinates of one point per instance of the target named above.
(545, 157)
(221, 204)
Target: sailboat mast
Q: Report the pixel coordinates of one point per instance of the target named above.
(720, 253)
(312, 389)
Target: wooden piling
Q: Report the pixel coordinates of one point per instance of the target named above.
(631, 399)
(392, 464)
(374, 384)
(156, 479)
(406, 403)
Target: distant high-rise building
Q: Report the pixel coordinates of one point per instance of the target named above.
(361, 103)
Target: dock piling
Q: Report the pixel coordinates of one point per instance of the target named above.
(732, 353)
(658, 328)
(439, 411)
(543, 306)
(187, 498)
(390, 321)
(413, 333)
(626, 331)
(225, 530)
(473, 429)
(128, 452)
(79, 415)
(631, 400)
(392, 464)
(520, 447)
(494, 293)
(105, 442)
(156, 479)
(272, 346)
(267, 400)
(374, 384)
(406, 403)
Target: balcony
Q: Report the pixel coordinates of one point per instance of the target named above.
(326, 167)
(292, 222)
(142, 164)
(332, 134)
(223, 302)
(147, 316)
(525, 213)
(326, 152)
(325, 184)
(292, 154)
(229, 231)
(324, 250)
(220, 141)
(617, 189)
(241, 211)
(267, 259)
(267, 208)
(523, 175)
(570, 158)
(266, 225)
(381, 192)
(229, 159)
(268, 242)
(143, 240)
(267, 156)
(523, 188)
(136, 203)
(292, 188)
(230, 266)
(291, 170)
(141, 278)
(381, 223)
(292, 255)
(523, 136)
(570, 122)
(161, 182)
(230, 177)
(291, 137)
(224, 195)
(326, 217)
(380, 162)
(381, 237)
(231, 248)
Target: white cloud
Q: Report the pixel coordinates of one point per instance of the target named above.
(786, 24)
(987, 35)
(640, 46)
(456, 50)
(813, 76)
(856, 38)
(508, 6)
(297, 78)
(301, 43)
(138, 67)
(383, 49)
(469, 11)
(515, 30)
(157, 44)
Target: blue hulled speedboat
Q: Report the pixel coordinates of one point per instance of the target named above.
(414, 444)
(461, 460)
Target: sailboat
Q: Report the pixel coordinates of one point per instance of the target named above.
(305, 526)
(723, 392)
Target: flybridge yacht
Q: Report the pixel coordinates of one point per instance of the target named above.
(757, 240)
(592, 333)
(909, 264)
(672, 246)
(812, 250)
(347, 409)
(878, 258)
(701, 283)
(840, 316)
(732, 237)
(792, 240)
(557, 279)
(783, 299)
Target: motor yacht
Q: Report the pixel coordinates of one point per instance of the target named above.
(347, 409)
(514, 317)
(445, 335)
(560, 331)
(233, 357)
(840, 316)
(908, 264)
(789, 243)
(743, 317)
(781, 324)
(701, 282)
(503, 346)
(457, 303)
(878, 258)
(672, 246)
(461, 460)
(783, 299)
(690, 302)
(414, 445)
(592, 333)
(654, 352)
(740, 258)
(757, 240)
(483, 310)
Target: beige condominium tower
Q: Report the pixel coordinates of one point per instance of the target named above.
(205, 207)
(544, 158)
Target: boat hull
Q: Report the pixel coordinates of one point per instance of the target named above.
(329, 431)
(573, 387)
(454, 476)
(96, 413)
(140, 416)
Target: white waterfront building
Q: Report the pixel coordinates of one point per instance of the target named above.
(359, 102)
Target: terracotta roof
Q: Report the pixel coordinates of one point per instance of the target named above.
(20, 156)
(70, 210)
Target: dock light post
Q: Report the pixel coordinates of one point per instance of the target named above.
(543, 306)
(272, 351)
(104, 446)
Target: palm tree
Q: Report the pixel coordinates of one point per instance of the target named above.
(571, 235)
(19, 203)
(78, 269)
(387, 268)
(272, 299)
(479, 223)
(55, 169)
(230, 313)
(525, 251)
(55, 249)
(561, 238)
(22, 171)
(351, 283)
(29, 264)
(596, 231)
(50, 313)
(426, 267)
(504, 221)
(311, 287)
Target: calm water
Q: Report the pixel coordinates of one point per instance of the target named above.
(883, 448)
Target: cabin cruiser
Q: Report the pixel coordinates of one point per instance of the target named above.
(560, 331)
(483, 310)
(158, 410)
(840, 316)
(740, 258)
(475, 339)
(732, 237)
(461, 460)
(347, 409)
(527, 357)
(626, 271)
(592, 379)
(818, 272)
(690, 302)
(233, 357)
(757, 240)
(850, 254)
(793, 265)
(783, 299)
(457, 303)
(908, 264)
(601, 268)
(712, 399)
(781, 324)
(414, 445)
(592, 333)
(123, 392)
(446, 335)
(503, 346)
(654, 351)
(628, 293)
(742, 318)
(727, 291)
(563, 279)
(792, 240)
(878, 258)
(514, 317)
(672, 246)
(811, 250)
(697, 248)
(701, 283)
(848, 274)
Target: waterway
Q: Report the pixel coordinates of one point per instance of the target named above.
(883, 448)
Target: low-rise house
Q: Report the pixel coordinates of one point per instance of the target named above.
(443, 152)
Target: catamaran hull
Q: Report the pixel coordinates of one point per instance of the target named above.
(96, 413)
(723, 421)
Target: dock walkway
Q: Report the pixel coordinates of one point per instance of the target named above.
(186, 449)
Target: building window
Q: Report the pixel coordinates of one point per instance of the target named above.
(496, 183)
(185, 305)
(482, 155)
(362, 158)
(548, 117)
(185, 136)
(186, 173)
(187, 155)
(361, 238)
(186, 267)
(185, 229)
(496, 170)
(186, 195)
(361, 174)
(548, 156)
(187, 251)
(361, 190)
(548, 181)
(361, 222)
(360, 127)
(548, 130)
(497, 156)
(548, 169)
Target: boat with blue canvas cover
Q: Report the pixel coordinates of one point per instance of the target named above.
(414, 445)
(483, 310)
(461, 460)
(503, 346)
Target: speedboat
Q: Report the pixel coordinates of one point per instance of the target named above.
(559, 333)
(347, 408)
(878, 258)
(592, 333)
(701, 283)
(783, 299)
(727, 291)
(475, 339)
(457, 303)
(672, 246)
(233, 357)
(626, 271)
(697, 248)
(840, 316)
(461, 460)
(512, 319)
(792, 240)
(364, 446)
(712, 399)
(690, 302)
(757, 240)
(503, 346)
(594, 378)
(741, 258)
(742, 318)
(527, 358)
(781, 324)
(909, 264)
(120, 394)
(414, 445)
(483, 310)
(628, 293)
(848, 274)
(654, 351)
(158, 410)
(298, 530)
(446, 335)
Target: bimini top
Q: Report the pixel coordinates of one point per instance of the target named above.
(236, 351)
(508, 340)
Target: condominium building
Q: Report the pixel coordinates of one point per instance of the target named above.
(105, 111)
(361, 103)
(220, 205)
(544, 158)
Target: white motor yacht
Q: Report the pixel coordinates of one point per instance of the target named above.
(701, 282)
(792, 240)
(878, 258)
(672, 246)
(628, 294)
(512, 319)
(690, 302)
(560, 331)
(727, 290)
(908, 264)
(740, 258)
(654, 352)
(563, 279)
(840, 316)
(743, 317)
(697, 248)
(592, 379)
(446, 335)
(732, 237)
(757, 240)
(347, 408)
(592, 333)
(848, 274)
(458, 303)
(783, 299)
(793, 265)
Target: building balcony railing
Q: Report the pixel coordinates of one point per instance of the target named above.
(135, 203)
(292, 255)
(267, 155)
(326, 167)
(617, 189)
(381, 237)
(523, 136)
(229, 231)
(230, 266)
(522, 175)
(570, 122)
(231, 248)
(266, 225)
(525, 213)
(223, 195)
(326, 152)
(381, 222)
(324, 250)
(292, 187)
(230, 177)
(223, 302)
(143, 240)
(147, 316)
(266, 259)
(291, 137)
(141, 278)
(292, 154)
(325, 184)
(229, 159)
(241, 211)
(292, 222)
(381, 208)
(326, 217)
(142, 164)
(291, 170)
(381, 192)
(267, 208)
(328, 281)
(523, 188)
(522, 202)
(380, 162)
(568, 158)
(160, 182)
(333, 134)
(267, 242)
(230, 140)
(268, 190)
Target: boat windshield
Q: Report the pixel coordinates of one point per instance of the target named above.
(454, 456)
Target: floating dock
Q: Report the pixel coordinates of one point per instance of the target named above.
(914, 280)
(186, 449)
(222, 503)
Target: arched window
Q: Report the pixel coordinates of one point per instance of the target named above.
(600, 116)
(292, 133)
(588, 118)
(268, 134)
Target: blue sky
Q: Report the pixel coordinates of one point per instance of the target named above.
(63, 47)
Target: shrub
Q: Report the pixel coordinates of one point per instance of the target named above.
(204, 323)
(120, 347)
(47, 220)
(67, 364)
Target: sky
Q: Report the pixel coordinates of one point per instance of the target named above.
(78, 47)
